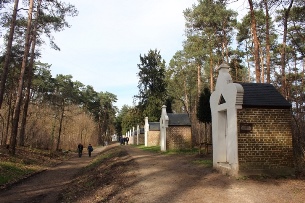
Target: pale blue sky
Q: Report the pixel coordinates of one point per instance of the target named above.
(103, 45)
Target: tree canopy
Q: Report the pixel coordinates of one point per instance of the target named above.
(152, 85)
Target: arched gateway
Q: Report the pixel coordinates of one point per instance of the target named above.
(251, 127)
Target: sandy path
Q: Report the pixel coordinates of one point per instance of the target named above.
(45, 186)
(176, 179)
(157, 178)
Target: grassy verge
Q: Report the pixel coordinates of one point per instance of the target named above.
(157, 149)
(203, 160)
(104, 177)
(11, 172)
(25, 163)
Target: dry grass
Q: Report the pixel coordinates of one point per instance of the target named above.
(101, 180)
(26, 162)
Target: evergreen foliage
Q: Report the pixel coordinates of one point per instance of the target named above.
(152, 85)
(204, 109)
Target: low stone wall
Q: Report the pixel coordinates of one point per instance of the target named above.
(178, 137)
(269, 144)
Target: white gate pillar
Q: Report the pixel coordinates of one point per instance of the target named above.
(146, 129)
(163, 125)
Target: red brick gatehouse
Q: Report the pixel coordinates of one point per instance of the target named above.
(251, 127)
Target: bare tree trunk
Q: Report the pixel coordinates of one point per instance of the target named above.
(60, 125)
(225, 42)
(29, 82)
(262, 65)
(5, 125)
(211, 73)
(16, 115)
(8, 119)
(267, 41)
(236, 72)
(8, 53)
(256, 43)
(2, 128)
(283, 51)
(206, 138)
(198, 80)
(249, 74)
(199, 140)
(23, 122)
(186, 98)
(198, 87)
(302, 80)
(99, 130)
(289, 85)
(104, 126)
(297, 100)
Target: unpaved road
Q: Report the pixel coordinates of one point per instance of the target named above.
(161, 179)
(164, 178)
(45, 186)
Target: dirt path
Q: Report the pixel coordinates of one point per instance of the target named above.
(45, 186)
(153, 177)
(174, 178)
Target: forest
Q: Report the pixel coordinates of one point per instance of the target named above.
(37, 110)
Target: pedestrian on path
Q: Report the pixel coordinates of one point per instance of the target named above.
(90, 149)
(80, 148)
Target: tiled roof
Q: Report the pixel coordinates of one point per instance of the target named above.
(263, 95)
(154, 126)
(178, 119)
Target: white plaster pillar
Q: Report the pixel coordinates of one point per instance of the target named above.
(233, 91)
(163, 126)
(224, 120)
(214, 99)
(133, 135)
(146, 129)
(138, 132)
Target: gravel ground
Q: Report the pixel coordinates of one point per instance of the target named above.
(146, 177)
(45, 186)
(175, 178)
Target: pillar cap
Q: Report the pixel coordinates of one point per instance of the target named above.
(223, 65)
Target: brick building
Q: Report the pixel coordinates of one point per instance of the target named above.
(151, 133)
(141, 137)
(175, 131)
(251, 127)
(138, 136)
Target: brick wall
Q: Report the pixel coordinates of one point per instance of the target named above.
(269, 145)
(153, 138)
(178, 137)
(132, 139)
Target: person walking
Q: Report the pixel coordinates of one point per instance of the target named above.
(90, 149)
(80, 148)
